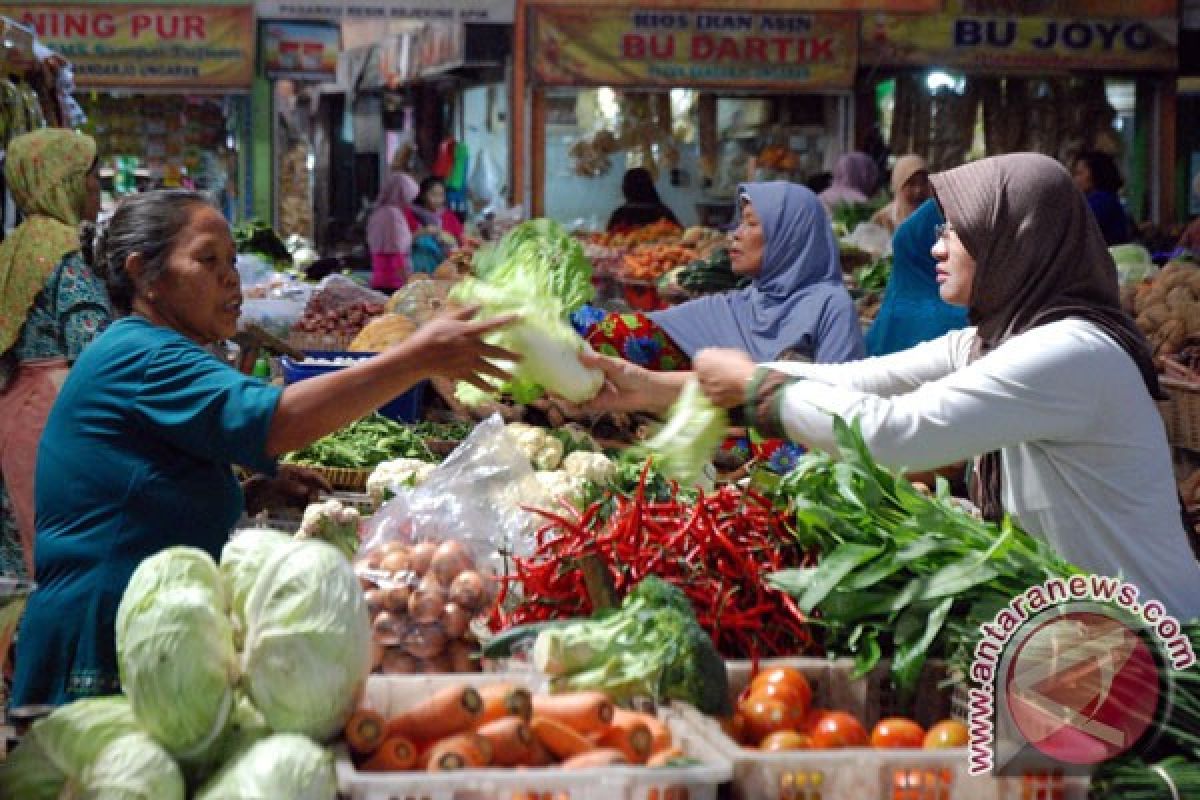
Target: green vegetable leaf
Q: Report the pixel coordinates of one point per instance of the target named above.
(834, 567)
(916, 631)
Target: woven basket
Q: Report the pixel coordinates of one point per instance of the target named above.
(1182, 413)
(351, 480)
(321, 342)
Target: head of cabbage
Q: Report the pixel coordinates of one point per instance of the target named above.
(308, 639)
(178, 667)
(133, 767)
(283, 765)
(241, 560)
(60, 747)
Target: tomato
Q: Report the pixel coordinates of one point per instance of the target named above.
(791, 679)
(796, 698)
(735, 727)
(811, 719)
(947, 733)
(785, 740)
(897, 732)
(764, 716)
(838, 729)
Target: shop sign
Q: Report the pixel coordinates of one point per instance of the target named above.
(300, 50)
(136, 46)
(732, 48)
(474, 11)
(999, 41)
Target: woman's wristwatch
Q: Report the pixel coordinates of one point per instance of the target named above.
(764, 401)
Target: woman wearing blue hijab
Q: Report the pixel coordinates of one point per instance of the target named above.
(913, 311)
(795, 308)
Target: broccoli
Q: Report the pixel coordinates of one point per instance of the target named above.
(651, 646)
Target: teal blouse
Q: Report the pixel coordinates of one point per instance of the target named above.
(136, 457)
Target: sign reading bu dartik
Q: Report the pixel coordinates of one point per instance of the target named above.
(647, 47)
(209, 47)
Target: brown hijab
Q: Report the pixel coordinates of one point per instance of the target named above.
(1039, 257)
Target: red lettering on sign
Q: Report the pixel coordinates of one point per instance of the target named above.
(104, 26)
(727, 49)
(822, 50)
(663, 48)
(193, 27)
(702, 47)
(141, 22)
(633, 46)
(756, 49)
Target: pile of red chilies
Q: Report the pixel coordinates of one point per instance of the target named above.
(718, 550)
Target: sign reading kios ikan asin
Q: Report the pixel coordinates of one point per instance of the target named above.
(148, 46)
(967, 35)
(647, 47)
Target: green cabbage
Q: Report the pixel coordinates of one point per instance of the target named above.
(178, 667)
(686, 443)
(280, 766)
(241, 561)
(246, 728)
(1134, 263)
(308, 640)
(173, 568)
(540, 273)
(59, 747)
(133, 767)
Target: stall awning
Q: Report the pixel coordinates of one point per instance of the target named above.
(140, 46)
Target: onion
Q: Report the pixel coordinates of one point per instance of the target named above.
(461, 655)
(456, 620)
(387, 628)
(376, 601)
(393, 546)
(396, 599)
(437, 665)
(396, 562)
(449, 560)
(425, 641)
(468, 590)
(425, 604)
(397, 661)
(421, 555)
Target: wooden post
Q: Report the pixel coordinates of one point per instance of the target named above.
(516, 107)
(537, 153)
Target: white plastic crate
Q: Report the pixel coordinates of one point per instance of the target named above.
(863, 773)
(390, 694)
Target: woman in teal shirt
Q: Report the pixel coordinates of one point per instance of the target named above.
(138, 451)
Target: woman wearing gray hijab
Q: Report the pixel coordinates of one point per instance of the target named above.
(1052, 390)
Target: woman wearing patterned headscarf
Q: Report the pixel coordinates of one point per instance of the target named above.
(1052, 390)
(53, 303)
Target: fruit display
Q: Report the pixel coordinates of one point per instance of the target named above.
(1167, 308)
(339, 308)
(422, 598)
(650, 262)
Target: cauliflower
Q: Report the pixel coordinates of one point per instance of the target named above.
(543, 450)
(390, 477)
(559, 485)
(331, 522)
(593, 467)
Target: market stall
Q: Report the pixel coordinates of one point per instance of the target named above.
(163, 89)
(691, 94)
(963, 83)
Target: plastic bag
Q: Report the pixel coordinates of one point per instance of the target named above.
(254, 272)
(871, 238)
(484, 182)
(473, 497)
(274, 315)
(337, 292)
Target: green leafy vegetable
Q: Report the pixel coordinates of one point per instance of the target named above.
(652, 646)
(133, 767)
(284, 765)
(874, 276)
(242, 560)
(308, 638)
(175, 651)
(898, 565)
(686, 443)
(540, 273)
(363, 444)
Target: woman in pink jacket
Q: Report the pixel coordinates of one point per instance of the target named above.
(389, 236)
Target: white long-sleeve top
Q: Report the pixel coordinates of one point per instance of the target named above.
(1085, 458)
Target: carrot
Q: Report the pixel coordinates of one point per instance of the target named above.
(395, 754)
(663, 758)
(660, 734)
(364, 731)
(539, 756)
(450, 711)
(584, 712)
(504, 700)
(561, 740)
(461, 751)
(631, 737)
(511, 741)
(602, 757)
